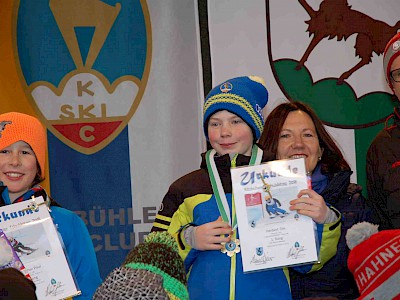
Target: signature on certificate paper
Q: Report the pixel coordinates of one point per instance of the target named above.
(295, 251)
(53, 287)
(260, 259)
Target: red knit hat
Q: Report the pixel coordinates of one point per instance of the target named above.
(16, 127)
(374, 261)
(392, 51)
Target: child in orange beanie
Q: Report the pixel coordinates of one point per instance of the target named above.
(23, 146)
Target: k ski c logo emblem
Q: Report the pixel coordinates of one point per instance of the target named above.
(85, 65)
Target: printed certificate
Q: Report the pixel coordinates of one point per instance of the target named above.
(34, 237)
(270, 234)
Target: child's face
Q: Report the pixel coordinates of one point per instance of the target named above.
(228, 133)
(18, 168)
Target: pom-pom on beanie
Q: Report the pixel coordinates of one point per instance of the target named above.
(243, 96)
(16, 127)
(152, 270)
(374, 260)
(392, 51)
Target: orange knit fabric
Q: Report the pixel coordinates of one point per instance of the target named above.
(16, 127)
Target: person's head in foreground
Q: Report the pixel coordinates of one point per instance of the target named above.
(152, 270)
(374, 260)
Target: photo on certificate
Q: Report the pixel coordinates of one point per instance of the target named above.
(263, 208)
(270, 234)
(8, 257)
(30, 242)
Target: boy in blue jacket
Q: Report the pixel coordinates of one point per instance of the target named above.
(198, 207)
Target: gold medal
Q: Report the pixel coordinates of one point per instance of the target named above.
(230, 248)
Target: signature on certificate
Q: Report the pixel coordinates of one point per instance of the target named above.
(295, 251)
(260, 259)
(53, 287)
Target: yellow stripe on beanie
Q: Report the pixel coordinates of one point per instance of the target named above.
(244, 96)
(237, 100)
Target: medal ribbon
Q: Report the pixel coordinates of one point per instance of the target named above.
(222, 202)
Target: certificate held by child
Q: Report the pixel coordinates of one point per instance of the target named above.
(272, 235)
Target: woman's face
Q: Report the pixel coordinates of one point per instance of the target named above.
(18, 168)
(298, 138)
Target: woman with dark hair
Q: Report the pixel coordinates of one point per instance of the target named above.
(332, 159)
(293, 130)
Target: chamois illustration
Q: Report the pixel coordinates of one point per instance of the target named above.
(336, 18)
(3, 126)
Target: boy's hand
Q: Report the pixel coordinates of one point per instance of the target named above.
(209, 236)
(313, 206)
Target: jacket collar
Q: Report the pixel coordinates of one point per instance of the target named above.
(337, 186)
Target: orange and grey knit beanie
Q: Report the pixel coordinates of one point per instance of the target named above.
(16, 127)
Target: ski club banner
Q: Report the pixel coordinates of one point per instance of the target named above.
(109, 80)
(327, 54)
(118, 84)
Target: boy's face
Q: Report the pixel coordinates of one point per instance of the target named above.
(18, 168)
(228, 133)
(396, 85)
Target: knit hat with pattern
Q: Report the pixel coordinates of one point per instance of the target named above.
(152, 270)
(392, 51)
(374, 260)
(16, 127)
(244, 96)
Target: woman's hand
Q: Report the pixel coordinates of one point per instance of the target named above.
(209, 236)
(313, 206)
